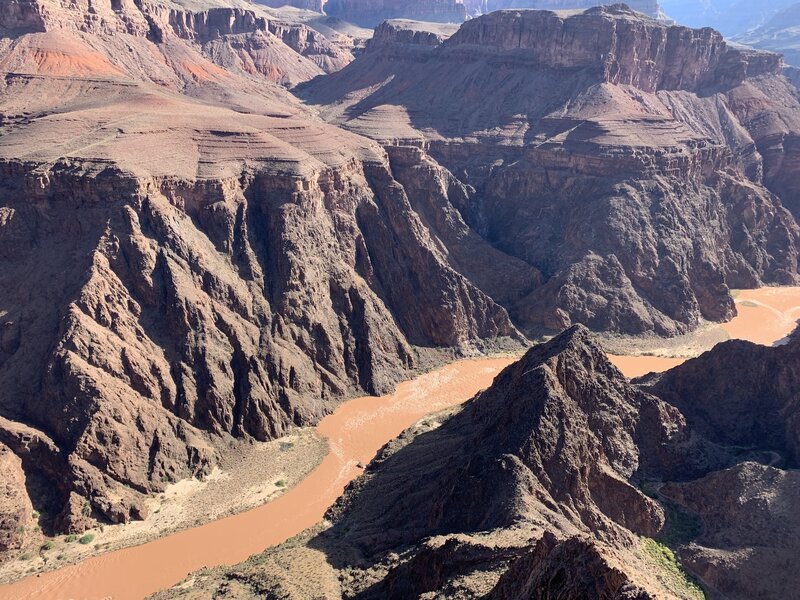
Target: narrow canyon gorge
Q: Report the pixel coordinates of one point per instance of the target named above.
(220, 221)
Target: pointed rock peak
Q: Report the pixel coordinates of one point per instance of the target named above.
(576, 342)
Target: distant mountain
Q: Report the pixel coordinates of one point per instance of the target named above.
(478, 7)
(781, 34)
(730, 17)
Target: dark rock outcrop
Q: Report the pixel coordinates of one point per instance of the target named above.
(528, 493)
(641, 169)
(554, 441)
(753, 407)
(572, 568)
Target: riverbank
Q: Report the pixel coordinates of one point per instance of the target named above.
(353, 433)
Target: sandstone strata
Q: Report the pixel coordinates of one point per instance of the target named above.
(187, 255)
(641, 169)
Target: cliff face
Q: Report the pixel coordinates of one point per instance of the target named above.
(635, 165)
(66, 39)
(535, 490)
(180, 269)
(369, 13)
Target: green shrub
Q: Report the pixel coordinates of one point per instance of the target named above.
(86, 539)
(280, 483)
(48, 546)
(70, 538)
(669, 570)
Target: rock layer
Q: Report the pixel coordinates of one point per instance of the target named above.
(640, 168)
(187, 255)
(536, 490)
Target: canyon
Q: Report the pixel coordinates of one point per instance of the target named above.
(221, 220)
(354, 433)
(781, 33)
(602, 149)
(555, 481)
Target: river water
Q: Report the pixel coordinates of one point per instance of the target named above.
(355, 432)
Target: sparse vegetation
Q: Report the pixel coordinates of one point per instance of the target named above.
(669, 570)
(86, 509)
(25, 556)
(49, 545)
(86, 539)
(70, 538)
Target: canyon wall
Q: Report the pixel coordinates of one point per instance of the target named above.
(190, 257)
(599, 147)
(564, 479)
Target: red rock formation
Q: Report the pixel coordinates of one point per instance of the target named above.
(210, 260)
(621, 149)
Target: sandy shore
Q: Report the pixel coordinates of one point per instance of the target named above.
(248, 475)
(263, 474)
(355, 432)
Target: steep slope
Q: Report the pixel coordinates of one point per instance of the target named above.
(533, 490)
(180, 268)
(634, 165)
(551, 446)
(756, 406)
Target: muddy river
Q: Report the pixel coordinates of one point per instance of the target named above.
(355, 432)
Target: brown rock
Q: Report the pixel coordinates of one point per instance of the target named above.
(571, 569)
(15, 506)
(637, 189)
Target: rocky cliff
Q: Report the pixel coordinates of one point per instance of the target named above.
(597, 147)
(74, 39)
(188, 256)
(536, 489)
